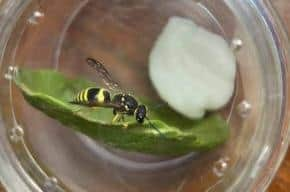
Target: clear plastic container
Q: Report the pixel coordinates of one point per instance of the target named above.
(39, 154)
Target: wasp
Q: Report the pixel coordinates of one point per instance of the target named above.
(123, 104)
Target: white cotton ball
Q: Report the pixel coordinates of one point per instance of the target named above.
(192, 69)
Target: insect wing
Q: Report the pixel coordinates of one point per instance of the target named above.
(105, 75)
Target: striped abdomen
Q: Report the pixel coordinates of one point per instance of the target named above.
(92, 96)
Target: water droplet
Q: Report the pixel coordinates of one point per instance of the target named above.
(11, 68)
(50, 184)
(16, 134)
(12, 71)
(244, 109)
(38, 14)
(221, 166)
(34, 19)
(237, 44)
(8, 76)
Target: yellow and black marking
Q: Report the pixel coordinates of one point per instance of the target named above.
(122, 104)
(92, 96)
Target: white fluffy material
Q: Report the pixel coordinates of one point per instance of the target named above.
(192, 69)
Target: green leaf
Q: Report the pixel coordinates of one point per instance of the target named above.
(50, 92)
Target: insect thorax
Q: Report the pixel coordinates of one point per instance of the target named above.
(128, 104)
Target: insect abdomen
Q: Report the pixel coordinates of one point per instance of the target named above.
(87, 96)
(92, 96)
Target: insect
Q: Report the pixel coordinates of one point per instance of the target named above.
(123, 104)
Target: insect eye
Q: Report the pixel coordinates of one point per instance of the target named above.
(140, 119)
(140, 114)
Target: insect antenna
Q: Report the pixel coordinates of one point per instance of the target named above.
(154, 127)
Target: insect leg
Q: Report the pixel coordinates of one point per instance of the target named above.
(125, 124)
(116, 118)
(123, 118)
(76, 110)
